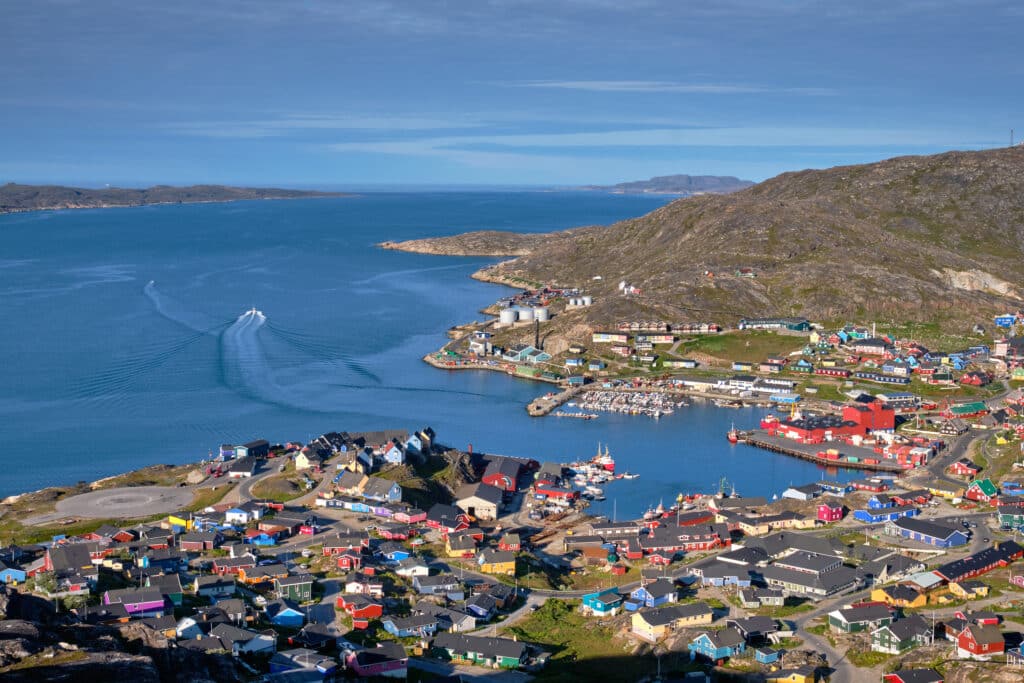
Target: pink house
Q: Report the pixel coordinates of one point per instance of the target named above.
(387, 659)
(829, 512)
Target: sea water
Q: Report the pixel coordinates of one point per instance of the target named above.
(148, 335)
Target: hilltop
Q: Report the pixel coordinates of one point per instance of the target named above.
(677, 184)
(15, 197)
(919, 238)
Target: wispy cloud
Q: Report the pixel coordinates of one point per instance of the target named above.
(668, 87)
(295, 123)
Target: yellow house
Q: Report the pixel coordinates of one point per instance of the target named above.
(829, 363)
(968, 589)
(653, 625)
(945, 490)
(498, 562)
(814, 337)
(459, 545)
(179, 521)
(900, 596)
(804, 674)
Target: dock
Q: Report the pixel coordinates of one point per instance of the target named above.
(543, 405)
(809, 452)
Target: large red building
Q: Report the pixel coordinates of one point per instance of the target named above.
(857, 419)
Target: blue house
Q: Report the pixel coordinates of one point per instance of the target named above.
(285, 613)
(660, 592)
(880, 501)
(396, 554)
(574, 362)
(414, 444)
(416, 626)
(261, 539)
(11, 575)
(834, 487)
(603, 603)
(766, 655)
(804, 364)
(394, 455)
(596, 365)
(885, 514)
(717, 645)
(923, 531)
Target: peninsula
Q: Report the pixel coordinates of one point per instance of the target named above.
(677, 184)
(16, 198)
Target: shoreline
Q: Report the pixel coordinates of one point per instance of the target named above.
(8, 211)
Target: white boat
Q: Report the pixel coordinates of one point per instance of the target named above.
(593, 490)
(630, 475)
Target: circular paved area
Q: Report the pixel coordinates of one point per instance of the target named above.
(126, 502)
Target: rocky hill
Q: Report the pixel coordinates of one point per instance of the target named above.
(15, 197)
(925, 238)
(678, 184)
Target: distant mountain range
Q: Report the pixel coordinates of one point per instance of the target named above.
(15, 197)
(677, 184)
(930, 239)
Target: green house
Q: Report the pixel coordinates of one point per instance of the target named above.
(496, 653)
(857, 619)
(901, 636)
(296, 588)
(1011, 516)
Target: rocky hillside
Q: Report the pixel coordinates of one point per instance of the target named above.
(14, 197)
(927, 238)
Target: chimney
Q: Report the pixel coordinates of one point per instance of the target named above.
(470, 449)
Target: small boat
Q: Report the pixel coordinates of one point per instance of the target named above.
(593, 490)
(733, 435)
(630, 475)
(651, 514)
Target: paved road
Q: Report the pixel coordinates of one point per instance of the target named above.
(126, 502)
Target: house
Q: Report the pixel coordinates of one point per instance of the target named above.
(361, 584)
(259, 574)
(510, 542)
(198, 541)
(285, 613)
(497, 562)
(360, 606)
(383, 490)
(233, 565)
(900, 596)
(602, 603)
(753, 628)
(913, 676)
(482, 606)
(980, 562)
(447, 518)
(139, 603)
(502, 473)
(766, 655)
(653, 625)
(805, 492)
(980, 642)
(417, 625)
(830, 512)
(298, 588)
(969, 589)
(807, 584)
(479, 501)
(387, 660)
(981, 490)
(902, 635)
(964, 468)
(660, 592)
(923, 531)
(11, 575)
(496, 653)
(243, 468)
(440, 584)
(863, 618)
(243, 514)
(801, 674)
(885, 514)
(718, 645)
(460, 545)
(169, 586)
(412, 566)
(337, 545)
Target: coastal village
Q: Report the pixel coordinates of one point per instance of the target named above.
(387, 554)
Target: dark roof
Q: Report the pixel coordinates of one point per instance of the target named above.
(505, 466)
(910, 627)
(486, 492)
(864, 613)
(384, 652)
(918, 676)
(727, 637)
(488, 647)
(924, 527)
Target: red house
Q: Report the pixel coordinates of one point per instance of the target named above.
(975, 379)
(336, 545)
(982, 491)
(964, 468)
(980, 642)
(502, 473)
(870, 485)
(829, 512)
(510, 543)
(350, 560)
(360, 606)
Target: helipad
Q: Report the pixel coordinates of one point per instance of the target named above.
(122, 503)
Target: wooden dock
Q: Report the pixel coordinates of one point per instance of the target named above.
(809, 452)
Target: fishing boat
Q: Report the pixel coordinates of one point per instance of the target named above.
(651, 514)
(604, 460)
(630, 475)
(733, 435)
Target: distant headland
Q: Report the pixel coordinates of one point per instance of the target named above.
(15, 197)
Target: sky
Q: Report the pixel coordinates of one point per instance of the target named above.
(511, 92)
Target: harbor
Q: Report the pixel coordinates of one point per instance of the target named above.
(650, 403)
(851, 457)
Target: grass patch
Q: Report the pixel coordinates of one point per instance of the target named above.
(581, 647)
(866, 659)
(206, 497)
(818, 630)
(279, 488)
(41, 659)
(747, 345)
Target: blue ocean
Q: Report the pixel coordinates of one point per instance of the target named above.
(129, 340)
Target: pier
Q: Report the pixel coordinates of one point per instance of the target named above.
(777, 444)
(541, 406)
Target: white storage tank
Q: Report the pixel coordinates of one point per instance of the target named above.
(587, 300)
(573, 301)
(525, 314)
(507, 316)
(541, 314)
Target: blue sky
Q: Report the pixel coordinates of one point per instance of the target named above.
(319, 92)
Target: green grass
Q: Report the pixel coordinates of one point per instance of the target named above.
(867, 659)
(818, 630)
(746, 346)
(209, 496)
(581, 647)
(279, 488)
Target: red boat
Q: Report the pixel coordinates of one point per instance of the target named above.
(733, 435)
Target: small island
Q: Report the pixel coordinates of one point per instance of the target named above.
(15, 198)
